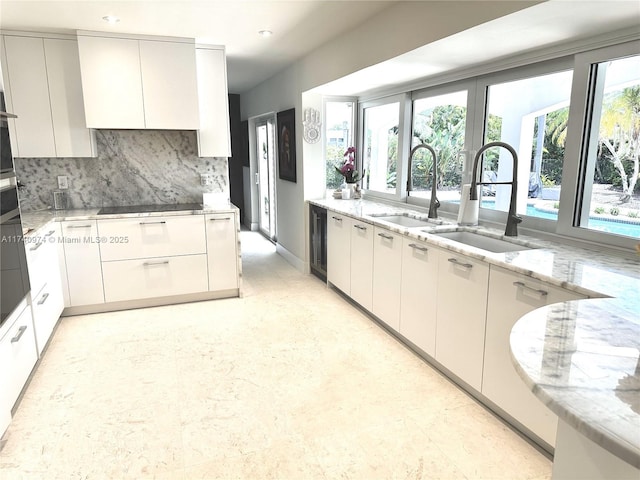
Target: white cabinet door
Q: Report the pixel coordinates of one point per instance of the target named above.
(214, 139)
(419, 287)
(362, 263)
(387, 270)
(170, 89)
(82, 261)
(18, 356)
(339, 251)
(154, 277)
(72, 137)
(47, 308)
(511, 296)
(144, 237)
(222, 251)
(461, 315)
(111, 82)
(26, 81)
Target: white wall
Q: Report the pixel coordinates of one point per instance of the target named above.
(397, 30)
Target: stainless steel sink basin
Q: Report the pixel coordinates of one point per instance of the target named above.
(484, 242)
(407, 221)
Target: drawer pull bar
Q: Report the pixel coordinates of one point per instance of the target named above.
(50, 233)
(359, 227)
(419, 247)
(457, 262)
(43, 299)
(217, 219)
(337, 218)
(153, 223)
(150, 264)
(79, 226)
(385, 236)
(21, 331)
(35, 247)
(542, 293)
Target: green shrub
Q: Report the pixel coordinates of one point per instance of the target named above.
(614, 211)
(556, 205)
(598, 210)
(632, 214)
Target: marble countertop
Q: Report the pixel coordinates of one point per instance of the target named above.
(32, 221)
(572, 355)
(582, 359)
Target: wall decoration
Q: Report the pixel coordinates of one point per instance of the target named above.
(311, 125)
(287, 145)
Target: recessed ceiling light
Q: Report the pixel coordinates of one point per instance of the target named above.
(112, 19)
(265, 33)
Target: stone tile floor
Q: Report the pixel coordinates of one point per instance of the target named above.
(289, 382)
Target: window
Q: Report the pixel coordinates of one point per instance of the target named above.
(440, 122)
(338, 124)
(380, 147)
(611, 191)
(531, 115)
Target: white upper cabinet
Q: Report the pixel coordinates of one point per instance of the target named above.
(111, 82)
(138, 83)
(170, 89)
(42, 83)
(214, 139)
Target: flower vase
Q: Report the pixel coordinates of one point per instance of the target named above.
(348, 191)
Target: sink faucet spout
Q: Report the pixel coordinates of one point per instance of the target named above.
(513, 219)
(434, 204)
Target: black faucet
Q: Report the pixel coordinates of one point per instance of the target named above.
(434, 204)
(512, 219)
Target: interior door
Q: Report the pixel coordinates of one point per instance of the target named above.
(265, 177)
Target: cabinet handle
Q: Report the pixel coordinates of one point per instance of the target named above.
(385, 236)
(216, 219)
(455, 261)
(35, 247)
(150, 264)
(542, 293)
(43, 299)
(21, 331)
(337, 219)
(359, 227)
(419, 247)
(79, 226)
(50, 233)
(153, 223)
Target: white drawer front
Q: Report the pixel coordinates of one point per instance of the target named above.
(154, 277)
(42, 257)
(47, 307)
(129, 238)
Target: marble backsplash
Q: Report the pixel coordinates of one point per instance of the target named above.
(133, 167)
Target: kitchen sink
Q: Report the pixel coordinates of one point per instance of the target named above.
(404, 220)
(484, 242)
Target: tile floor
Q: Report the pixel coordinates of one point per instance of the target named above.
(289, 382)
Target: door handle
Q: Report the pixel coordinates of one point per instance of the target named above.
(153, 223)
(385, 236)
(418, 247)
(151, 264)
(257, 178)
(43, 299)
(457, 262)
(21, 331)
(524, 286)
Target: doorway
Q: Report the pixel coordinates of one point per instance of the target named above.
(265, 176)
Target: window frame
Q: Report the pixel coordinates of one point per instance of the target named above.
(483, 83)
(578, 135)
(403, 148)
(354, 122)
(470, 86)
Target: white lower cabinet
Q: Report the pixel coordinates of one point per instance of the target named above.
(387, 270)
(18, 355)
(339, 251)
(418, 289)
(461, 314)
(361, 264)
(154, 277)
(82, 262)
(511, 296)
(130, 238)
(222, 253)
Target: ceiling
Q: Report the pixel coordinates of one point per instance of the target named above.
(298, 26)
(301, 26)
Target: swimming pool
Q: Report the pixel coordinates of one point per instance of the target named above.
(618, 227)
